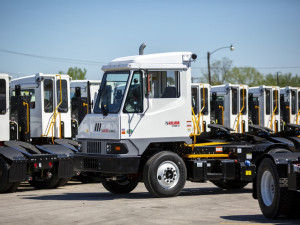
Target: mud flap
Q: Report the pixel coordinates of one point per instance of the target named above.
(17, 171)
(65, 168)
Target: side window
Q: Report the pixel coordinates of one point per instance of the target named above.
(27, 92)
(234, 101)
(293, 102)
(48, 95)
(268, 102)
(2, 96)
(275, 102)
(163, 84)
(134, 99)
(195, 100)
(243, 101)
(63, 107)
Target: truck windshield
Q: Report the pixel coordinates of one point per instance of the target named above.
(111, 92)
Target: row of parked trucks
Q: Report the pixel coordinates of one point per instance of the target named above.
(150, 124)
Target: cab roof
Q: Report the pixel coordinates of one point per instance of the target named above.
(170, 60)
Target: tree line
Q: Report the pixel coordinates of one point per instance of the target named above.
(222, 72)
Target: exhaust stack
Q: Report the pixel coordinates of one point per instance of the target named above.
(141, 49)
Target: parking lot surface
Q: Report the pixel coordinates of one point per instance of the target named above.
(78, 203)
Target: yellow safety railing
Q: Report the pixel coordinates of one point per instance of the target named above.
(196, 121)
(87, 107)
(297, 116)
(240, 113)
(55, 113)
(222, 108)
(273, 114)
(27, 118)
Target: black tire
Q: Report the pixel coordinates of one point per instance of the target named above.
(13, 187)
(4, 185)
(165, 174)
(122, 186)
(229, 184)
(274, 201)
(62, 182)
(45, 183)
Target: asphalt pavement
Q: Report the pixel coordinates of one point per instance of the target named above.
(76, 203)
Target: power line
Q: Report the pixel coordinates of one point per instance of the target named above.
(260, 68)
(96, 63)
(67, 60)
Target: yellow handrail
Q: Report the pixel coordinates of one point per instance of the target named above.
(297, 116)
(221, 107)
(87, 107)
(27, 119)
(203, 94)
(53, 120)
(197, 130)
(240, 113)
(271, 125)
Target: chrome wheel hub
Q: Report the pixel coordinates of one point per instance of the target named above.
(168, 174)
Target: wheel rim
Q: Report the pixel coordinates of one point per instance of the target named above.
(267, 188)
(168, 174)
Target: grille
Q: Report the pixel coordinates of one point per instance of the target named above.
(94, 147)
(91, 164)
(97, 127)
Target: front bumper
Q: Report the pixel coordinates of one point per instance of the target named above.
(112, 164)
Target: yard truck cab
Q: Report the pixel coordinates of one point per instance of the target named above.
(49, 120)
(143, 106)
(145, 127)
(201, 107)
(264, 106)
(229, 106)
(290, 105)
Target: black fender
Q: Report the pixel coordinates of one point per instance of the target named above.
(280, 159)
(296, 141)
(59, 150)
(12, 154)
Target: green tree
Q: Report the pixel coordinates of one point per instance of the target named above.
(76, 73)
(218, 70)
(244, 75)
(284, 80)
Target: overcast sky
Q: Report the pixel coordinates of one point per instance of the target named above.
(265, 33)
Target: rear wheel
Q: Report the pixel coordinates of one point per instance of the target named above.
(229, 184)
(44, 183)
(4, 185)
(164, 174)
(13, 187)
(274, 200)
(62, 182)
(122, 186)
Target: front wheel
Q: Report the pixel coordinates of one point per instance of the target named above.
(274, 200)
(164, 174)
(121, 186)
